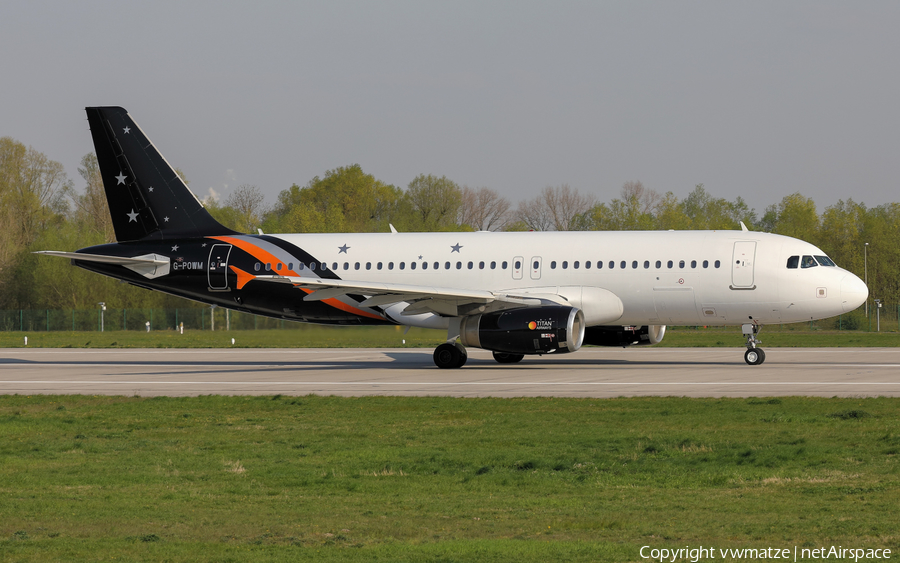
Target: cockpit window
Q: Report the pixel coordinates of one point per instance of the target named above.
(793, 262)
(825, 261)
(808, 262)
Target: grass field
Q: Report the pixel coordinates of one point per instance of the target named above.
(440, 479)
(313, 336)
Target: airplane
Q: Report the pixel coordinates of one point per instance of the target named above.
(513, 293)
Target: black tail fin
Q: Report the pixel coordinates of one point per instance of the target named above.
(146, 197)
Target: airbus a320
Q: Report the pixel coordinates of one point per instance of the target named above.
(514, 294)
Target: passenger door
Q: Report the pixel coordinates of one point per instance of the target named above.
(742, 265)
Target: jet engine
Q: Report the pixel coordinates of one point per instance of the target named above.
(624, 336)
(537, 330)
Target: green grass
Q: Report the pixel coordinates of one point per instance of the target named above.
(315, 336)
(440, 479)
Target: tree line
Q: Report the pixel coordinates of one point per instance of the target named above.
(42, 209)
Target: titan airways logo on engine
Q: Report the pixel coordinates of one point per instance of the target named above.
(540, 325)
(181, 264)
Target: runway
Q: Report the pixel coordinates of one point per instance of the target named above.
(592, 372)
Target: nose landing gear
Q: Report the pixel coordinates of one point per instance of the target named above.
(753, 356)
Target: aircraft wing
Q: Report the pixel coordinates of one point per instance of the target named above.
(450, 302)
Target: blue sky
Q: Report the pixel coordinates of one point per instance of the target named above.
(752, 99)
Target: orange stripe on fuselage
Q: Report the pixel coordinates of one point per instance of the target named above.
(269, 258)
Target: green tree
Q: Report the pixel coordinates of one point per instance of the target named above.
(434, 202)
(345, 200)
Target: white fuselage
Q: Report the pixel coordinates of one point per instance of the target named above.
(661, 277)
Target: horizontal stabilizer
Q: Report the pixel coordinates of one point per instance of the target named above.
(148, 265)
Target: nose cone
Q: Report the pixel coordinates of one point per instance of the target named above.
(853, 292)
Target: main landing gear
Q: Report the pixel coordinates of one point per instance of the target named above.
(450, 355)
(753, 356)
(454, 355)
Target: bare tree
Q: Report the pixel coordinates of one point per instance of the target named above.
(483, 209)
(247, 200)
(645, 198)
(556, 208)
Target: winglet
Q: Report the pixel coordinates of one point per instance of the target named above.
(744, 227)
(243, 277)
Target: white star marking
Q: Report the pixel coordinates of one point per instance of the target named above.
(150, 189)
(174, 248)
(132, 216)
(203, 245)
(121, 178)
(127, 130)
(166, 219)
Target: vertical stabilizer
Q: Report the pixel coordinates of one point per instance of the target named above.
(147, 199)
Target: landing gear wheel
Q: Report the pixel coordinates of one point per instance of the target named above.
(447, 356)
(504, 358)
(754, 356)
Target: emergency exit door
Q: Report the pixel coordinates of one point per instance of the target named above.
(218, 267)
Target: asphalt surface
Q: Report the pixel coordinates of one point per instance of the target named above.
(590, 372)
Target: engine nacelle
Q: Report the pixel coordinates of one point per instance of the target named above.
(624, 335)
(537, 330)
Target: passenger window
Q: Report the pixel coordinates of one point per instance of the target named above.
(346, 265)
(706, 263)
(634, 264)
(717, 264)
(301, 266)
(278, 266)
(312, 266)
(290, 265)
(693, 263)
(518, 265)
(793, 262)
(646, 264)
(390, 265)
(424, 265)
(504, 265)
(587, 264)
(334, 266)
(402, 265)
(599, 264)
(808, 262)
(459, 265)
(437, 265)
(612, 265)
(622, 264)
(412, 265)
(565, 264)
(825, 261)
(681, 264)
(493, 265)
(553, 265)
(669, 264)
(368, 265)
(576, 264)
(446, 265)
(256, 266)
(658, 264)
(379, 265)
(534, 266)
(470, 265)
(268, 266)
(356, 266)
